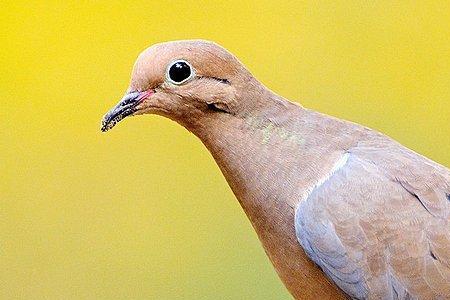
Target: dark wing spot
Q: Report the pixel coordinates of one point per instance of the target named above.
(432, 255)
(415, 196)
(420, 201)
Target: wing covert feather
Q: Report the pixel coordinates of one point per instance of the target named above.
(379, 227)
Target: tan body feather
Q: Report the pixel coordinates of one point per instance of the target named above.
(372, 214)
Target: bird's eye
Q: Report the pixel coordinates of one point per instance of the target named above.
(179, 72)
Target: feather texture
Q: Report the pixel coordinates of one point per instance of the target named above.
(379, 226)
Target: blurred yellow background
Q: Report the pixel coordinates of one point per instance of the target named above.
(143, 212)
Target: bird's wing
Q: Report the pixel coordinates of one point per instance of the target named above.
(379, 226)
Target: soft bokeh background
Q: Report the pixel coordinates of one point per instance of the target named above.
(143, 212)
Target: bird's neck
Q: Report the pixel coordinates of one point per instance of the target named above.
(266, 161)
(261, 152)
(270, 159)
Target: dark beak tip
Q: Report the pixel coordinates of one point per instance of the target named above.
(125, 107)
(107, 123)
(104, 124)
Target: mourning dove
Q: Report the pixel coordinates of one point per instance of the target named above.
(341, 210)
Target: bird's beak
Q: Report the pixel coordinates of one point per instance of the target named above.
(127, 106)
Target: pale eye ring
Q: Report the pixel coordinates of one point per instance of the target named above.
(179, 71)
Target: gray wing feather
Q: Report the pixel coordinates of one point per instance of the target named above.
(375, 238)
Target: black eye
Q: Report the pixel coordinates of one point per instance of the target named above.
(179, 71)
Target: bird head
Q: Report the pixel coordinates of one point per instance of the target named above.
(187, 81)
